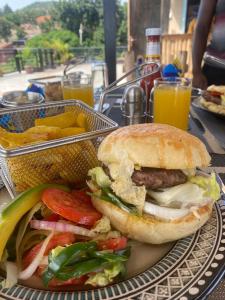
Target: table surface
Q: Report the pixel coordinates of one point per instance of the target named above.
(216, 126)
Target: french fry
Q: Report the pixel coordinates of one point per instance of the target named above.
(81, 120)
(23, 138)
(71, 131)
(63, 120)
(51, 131)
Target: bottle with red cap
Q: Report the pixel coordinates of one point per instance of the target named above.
(153, 55)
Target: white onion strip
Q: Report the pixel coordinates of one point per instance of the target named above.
(29, 271)
(61, 227)
(165, 213)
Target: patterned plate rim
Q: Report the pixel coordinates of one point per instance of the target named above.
(190, 270)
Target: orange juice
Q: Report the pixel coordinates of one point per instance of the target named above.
(83, 93)
(171, 105)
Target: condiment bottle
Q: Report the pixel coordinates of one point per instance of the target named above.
(153, 49)
(153, 55)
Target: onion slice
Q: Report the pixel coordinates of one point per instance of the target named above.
(61, 227)
(29, 271)
(165, 213)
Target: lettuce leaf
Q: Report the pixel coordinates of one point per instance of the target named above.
(98, 175)
(209, 184)
(107, 275)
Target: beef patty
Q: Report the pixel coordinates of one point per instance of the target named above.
(210, 98)
(154, 178)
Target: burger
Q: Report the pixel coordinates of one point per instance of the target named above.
(149, 184)
(214, 99)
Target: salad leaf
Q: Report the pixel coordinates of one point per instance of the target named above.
(102, 226)
(209, 184)
(109, 196)
(82, 268)
(64, 257)
(111, 257)
(98, 175)
(107, 276)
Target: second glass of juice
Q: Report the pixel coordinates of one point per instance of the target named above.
(171, 102)
(78, 88)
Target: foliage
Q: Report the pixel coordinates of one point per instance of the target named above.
(67, 16)
(5, 28)
(73, 13)
(20, 33)
(61, 41)
(5, 10)
(46, 40)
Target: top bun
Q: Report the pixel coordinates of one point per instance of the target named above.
(216, 88)
(154, 145)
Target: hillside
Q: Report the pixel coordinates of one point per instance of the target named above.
(38, 8)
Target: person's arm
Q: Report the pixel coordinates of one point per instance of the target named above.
(204, 20)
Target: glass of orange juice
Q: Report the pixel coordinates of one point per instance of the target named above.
(171, 101)
(78, 88)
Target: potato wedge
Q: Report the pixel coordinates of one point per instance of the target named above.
(23, 138)
(71, 131)
(63, 120)
(81, 120)
(52, 131)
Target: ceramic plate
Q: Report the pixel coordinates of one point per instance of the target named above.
(185, 270)
(196, 103)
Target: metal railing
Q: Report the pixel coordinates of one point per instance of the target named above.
(18, 59)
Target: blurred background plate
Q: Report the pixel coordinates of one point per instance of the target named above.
(196, 103)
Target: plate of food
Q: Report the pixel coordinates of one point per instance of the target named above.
(212, 100)
(149, 225)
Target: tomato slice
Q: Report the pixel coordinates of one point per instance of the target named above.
(52, 218)
(60, 239)
(73, 281)
(113, 244)
(82, 195)
(70, 207)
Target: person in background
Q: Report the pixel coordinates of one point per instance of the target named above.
(210, 11)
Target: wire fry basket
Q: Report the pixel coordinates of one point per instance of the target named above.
(65, 160)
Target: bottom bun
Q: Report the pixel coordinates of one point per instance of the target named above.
(148, 229)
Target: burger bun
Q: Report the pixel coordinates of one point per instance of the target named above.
(147, 228)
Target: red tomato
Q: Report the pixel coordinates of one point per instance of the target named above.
(52, 218)
(113, 244)
(70, 207)
(72, 281)
(60, 239)
(82, 195)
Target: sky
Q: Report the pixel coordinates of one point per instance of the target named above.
(16, 4)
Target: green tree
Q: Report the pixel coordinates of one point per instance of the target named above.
(5, 28)
(121, 20)
(20, 33)
(7, 9)
(74, 12)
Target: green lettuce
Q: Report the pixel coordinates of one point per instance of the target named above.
(98, 175)
(107, 275)
(208, 184)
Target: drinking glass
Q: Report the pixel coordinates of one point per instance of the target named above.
(78, 87)
(171, 101)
